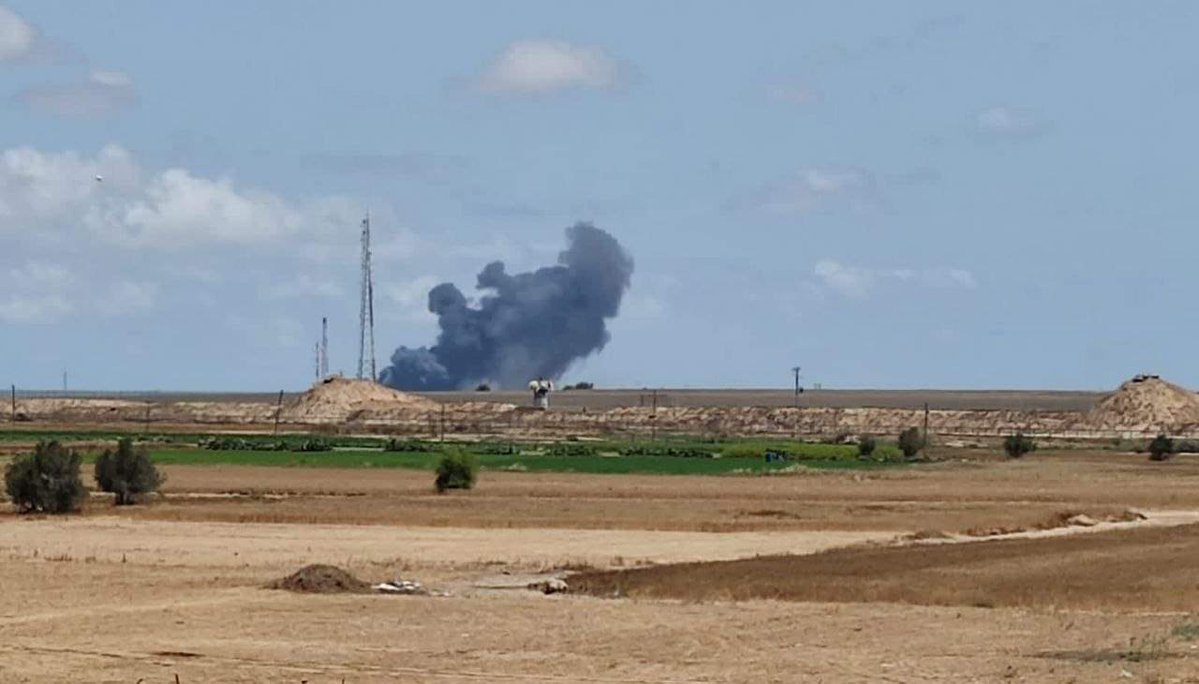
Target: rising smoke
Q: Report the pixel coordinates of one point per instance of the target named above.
(528, 325)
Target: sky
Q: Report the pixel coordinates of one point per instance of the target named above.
(890, 195)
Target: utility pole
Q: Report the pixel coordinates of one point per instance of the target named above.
(795, 370)
(14, 404)
(925, 440)
(278, 411)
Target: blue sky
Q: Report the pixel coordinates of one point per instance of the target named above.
(922, 194)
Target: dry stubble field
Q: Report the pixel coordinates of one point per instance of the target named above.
(176, 587)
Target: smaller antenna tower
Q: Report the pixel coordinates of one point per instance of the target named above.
(366, 309)
(323, 363)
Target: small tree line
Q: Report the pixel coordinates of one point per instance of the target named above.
(49, 481)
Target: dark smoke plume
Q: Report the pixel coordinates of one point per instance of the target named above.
(527, 326)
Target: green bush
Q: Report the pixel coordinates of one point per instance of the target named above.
(127, 472)
(410, 446)
(495, 448)
(456, 470)
(678, 451)
(46, 481)
(1161, 448)
(1018, 445)
(911, 442)
(572, 449)
(866, 445)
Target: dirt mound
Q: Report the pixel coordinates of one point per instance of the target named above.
(341, 399)
(321, 579)
(1147, 403)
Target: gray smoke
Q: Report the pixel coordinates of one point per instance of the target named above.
(528, 325)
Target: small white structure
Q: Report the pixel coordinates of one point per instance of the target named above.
(541, 389)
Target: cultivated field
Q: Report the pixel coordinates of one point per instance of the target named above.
(904, 573)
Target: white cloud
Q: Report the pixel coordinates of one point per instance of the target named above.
(37, 187)
(58, 193)
(41, 275)
(127, 298)
(44, 292)
(858, 282)
(817, 188)
(542, 66)
(411, 297)
(111, 79)
(848, 280)
(102, 94)
(35, 292)
(33, 308)
(1008, 122)
(17, 37)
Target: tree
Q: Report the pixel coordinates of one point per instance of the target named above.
(46, 481)
(127, 472)
(1161, 448)
(911, 442)
(456, 470)
(1018, 445)
(866, 445)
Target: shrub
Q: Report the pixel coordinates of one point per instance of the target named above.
(911, 442)
(572, 449)
(483, 387)
(866, 445)
(46, 481)
(456, 470)
(409, 446)
(1018, 445)
(1161, 448)
(127, 472)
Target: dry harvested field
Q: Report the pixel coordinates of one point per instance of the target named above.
(796, 577)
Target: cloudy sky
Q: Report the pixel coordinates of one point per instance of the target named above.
(920, 194)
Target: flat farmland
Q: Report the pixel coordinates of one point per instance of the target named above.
(954, 571)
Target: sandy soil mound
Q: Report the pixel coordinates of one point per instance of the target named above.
(341, 399)
(321, 579)
(1148, 403)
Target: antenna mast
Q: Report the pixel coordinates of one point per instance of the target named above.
(366, 308)
(323, 358)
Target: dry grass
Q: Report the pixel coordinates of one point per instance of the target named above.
(948, 497)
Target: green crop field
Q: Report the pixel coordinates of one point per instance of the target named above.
(531, 462)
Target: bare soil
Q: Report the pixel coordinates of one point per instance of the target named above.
(177, 587)
(1126, 570)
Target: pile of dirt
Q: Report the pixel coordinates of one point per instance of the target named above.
(338, 399)
(321, 579)
(1146, 404)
